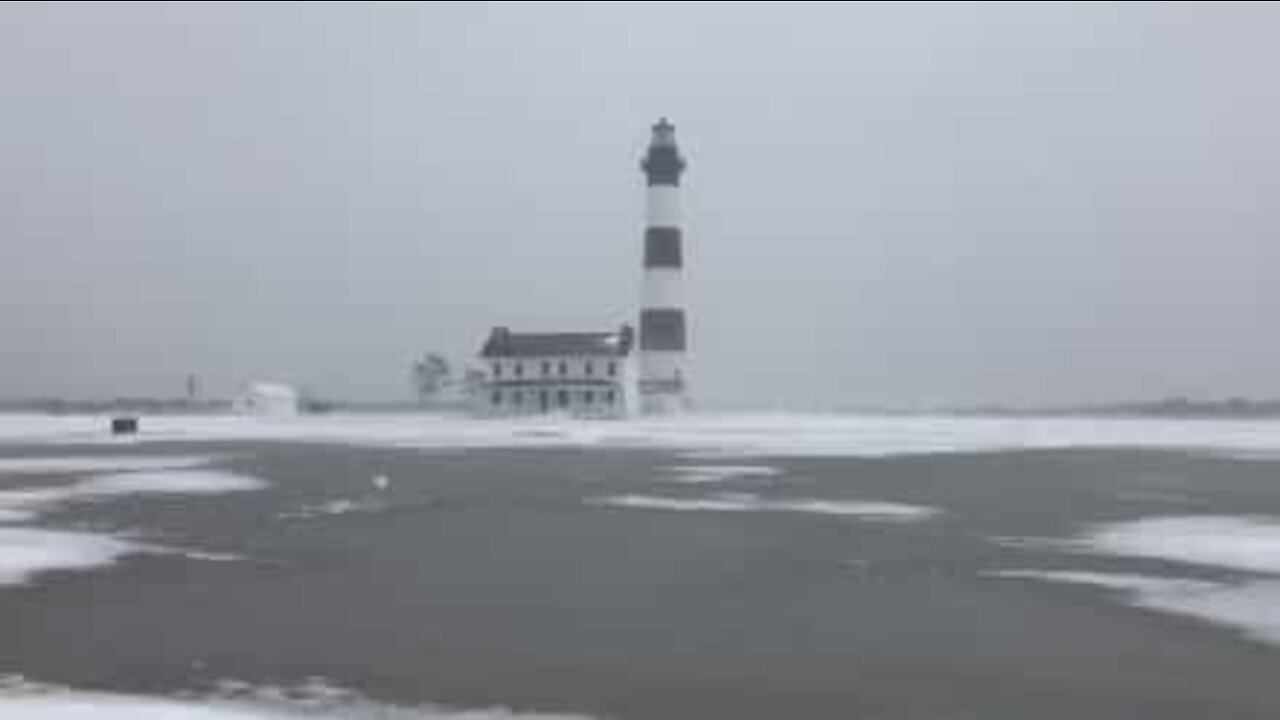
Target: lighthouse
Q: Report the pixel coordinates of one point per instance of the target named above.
(663, 325)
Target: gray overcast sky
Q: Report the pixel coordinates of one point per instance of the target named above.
(888, 203)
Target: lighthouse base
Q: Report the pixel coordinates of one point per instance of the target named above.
(663, 396)
(663, 404)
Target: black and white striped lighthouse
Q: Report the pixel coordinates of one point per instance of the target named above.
(663, 326)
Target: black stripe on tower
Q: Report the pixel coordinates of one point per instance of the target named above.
(662, 329)
(662, 248)
(663, 164)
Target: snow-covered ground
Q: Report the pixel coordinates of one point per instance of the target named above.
(705, 435)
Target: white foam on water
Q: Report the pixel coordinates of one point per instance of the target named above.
(315, 699)
(26, 552)
(24, 505)
(1252, 607)
(696, 474)
(341, 506)
(185, 482)
(746, 502)
(98, 464)
(699, 435)
(1239, 543)
(209, 556)
(1113, 581)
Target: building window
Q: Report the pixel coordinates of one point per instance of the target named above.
(517, 397)
(608, 397)
(588, 397)
(497, 369)
(590, 369)
(497, 397)
(613, 368)
(564, 368)
(562, 397)
(543, 400)
(519, 369)
(546, 367)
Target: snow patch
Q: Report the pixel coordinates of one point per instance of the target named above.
(746, 502)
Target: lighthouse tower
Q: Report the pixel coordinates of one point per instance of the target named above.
(663, 330)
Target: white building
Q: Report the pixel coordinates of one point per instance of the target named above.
(582, 374)
(267, 398)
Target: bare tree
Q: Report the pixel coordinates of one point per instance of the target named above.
(430, 374)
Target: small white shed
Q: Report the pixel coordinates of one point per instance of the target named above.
(267, 398)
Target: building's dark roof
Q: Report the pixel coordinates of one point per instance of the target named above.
(504, 343)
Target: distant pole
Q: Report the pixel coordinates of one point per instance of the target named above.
(193, 388)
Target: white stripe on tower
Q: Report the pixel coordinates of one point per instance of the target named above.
(663, 331)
